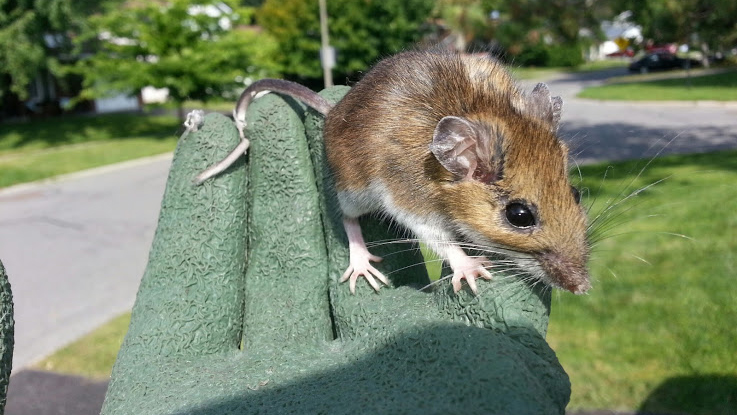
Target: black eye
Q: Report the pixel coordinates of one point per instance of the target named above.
(576, 194)
(519, 215)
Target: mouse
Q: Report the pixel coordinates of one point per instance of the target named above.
(449, 146)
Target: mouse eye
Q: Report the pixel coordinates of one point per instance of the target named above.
(519, 215)
(576, 194)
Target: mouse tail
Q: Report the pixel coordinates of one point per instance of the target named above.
(280, 86)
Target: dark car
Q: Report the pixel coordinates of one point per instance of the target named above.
(660, 61)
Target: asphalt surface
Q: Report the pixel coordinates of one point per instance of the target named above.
(75, 248)
(611, 130)
(33, 392)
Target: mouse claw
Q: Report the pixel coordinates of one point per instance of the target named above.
(367, 271)
(475, 268)
(360, 259)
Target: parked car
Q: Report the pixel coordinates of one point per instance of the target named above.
(660, 61)
(627, 53)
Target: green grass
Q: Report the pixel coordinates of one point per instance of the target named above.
(535, 73)
(713, 87)
(225, 107)
(546, 73)
(93, 355)
(46, 148)
(658, 326)
(36, 165)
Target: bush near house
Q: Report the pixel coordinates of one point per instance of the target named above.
(559, 56)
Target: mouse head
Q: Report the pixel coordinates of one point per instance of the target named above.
(505, 175)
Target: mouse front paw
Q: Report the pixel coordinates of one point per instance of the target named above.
(360, 265)
(470, 269)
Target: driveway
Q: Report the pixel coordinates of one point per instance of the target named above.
(75, 250)
(611, 130)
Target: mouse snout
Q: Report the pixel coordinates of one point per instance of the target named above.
(564, 272)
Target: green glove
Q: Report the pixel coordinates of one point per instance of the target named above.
(240, 311)
(7, 332)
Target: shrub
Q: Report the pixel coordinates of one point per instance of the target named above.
(565, 55)
(550, 55)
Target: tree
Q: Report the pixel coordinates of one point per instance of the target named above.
(712, 24)
(466, 20)
(362, 32)
(547, 32)
(194, 48)
(34, 34)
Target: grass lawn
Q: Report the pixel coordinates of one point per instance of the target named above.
(713, 87)
(46, 148)
(93, 355)
(545, 73)
(656, 332)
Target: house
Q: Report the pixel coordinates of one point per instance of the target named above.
(620, 33)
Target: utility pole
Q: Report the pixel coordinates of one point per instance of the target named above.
(327, 53)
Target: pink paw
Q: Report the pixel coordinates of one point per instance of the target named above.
(360, 266)
(470, 269)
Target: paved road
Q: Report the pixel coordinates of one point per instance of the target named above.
(610, 130)
(75, 249)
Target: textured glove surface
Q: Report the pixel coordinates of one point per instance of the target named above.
(240, 312)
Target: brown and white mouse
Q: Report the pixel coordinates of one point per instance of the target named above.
(448, 146)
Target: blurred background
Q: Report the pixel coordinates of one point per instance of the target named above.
(105, 85)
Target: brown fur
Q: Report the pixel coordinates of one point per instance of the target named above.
(384, 125)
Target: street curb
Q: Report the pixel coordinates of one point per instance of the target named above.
(30, 186)
(700, 104)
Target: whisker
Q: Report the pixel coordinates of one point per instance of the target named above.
(616, 235)
(678, 235)
(639, 258)
(605, 212)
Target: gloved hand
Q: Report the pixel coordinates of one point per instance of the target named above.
(240, 312)
(7, 335)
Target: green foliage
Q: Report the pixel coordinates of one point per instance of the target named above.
(252, 3)
(708, 22)
(33, 34)
(656, 332)
(177, 45)
(565, 56)
(20, 55)
(557, 56)
(361, 31)
(468, 20)
(546, 33)
(533, 55)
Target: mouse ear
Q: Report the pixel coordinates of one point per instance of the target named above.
(465, 150)
(545, 107)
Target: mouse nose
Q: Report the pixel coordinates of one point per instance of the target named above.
(581, 288)
(565, 272)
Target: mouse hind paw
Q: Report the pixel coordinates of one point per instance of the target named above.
(360, 259)
(361, 266)
(468, 268)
